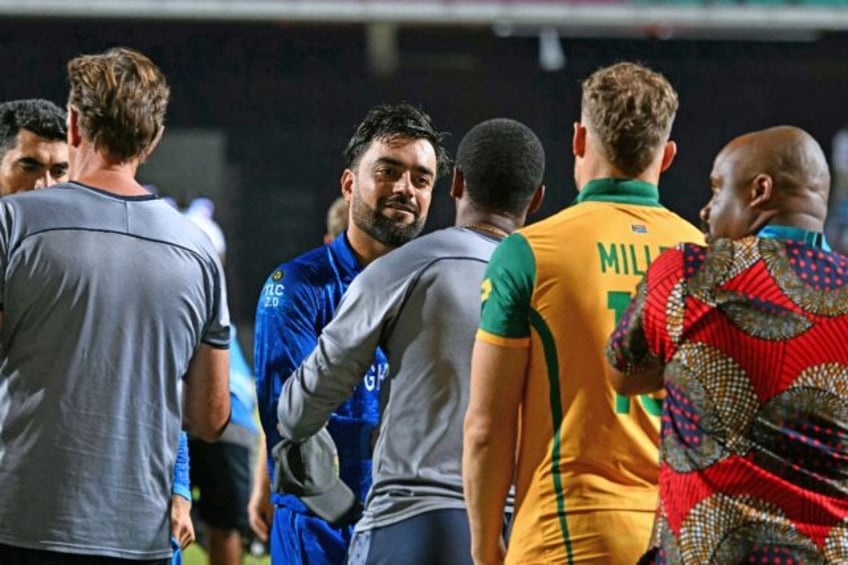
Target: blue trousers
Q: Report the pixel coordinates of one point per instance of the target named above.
(440, 537)
(302, 539)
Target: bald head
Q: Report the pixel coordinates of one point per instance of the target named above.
(773, 176)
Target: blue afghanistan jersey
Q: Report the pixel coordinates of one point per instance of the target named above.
(297, 301)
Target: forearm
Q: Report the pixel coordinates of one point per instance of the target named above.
(488, 464)
(311, 394)
(641, 380)
(206, 410)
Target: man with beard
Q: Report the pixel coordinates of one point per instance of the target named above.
(391, 165)
(420, 305)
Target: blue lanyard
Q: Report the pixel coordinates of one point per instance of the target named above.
(812, 238)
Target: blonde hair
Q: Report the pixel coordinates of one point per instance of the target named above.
(121, 98)
(630, 110)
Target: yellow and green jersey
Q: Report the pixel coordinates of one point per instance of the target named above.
(558, 287)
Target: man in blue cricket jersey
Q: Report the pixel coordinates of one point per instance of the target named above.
(391, 165)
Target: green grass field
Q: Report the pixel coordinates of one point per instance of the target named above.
(194, 555)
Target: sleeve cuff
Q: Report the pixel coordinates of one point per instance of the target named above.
(501, 341)
(181, 490)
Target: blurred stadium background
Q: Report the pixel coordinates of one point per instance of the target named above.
(267, 92)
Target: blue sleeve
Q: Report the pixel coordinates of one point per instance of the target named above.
(287, 327)
(182, 485)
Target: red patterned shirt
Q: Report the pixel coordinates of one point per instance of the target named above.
(753, 338)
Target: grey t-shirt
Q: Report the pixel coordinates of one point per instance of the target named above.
(104, 301)
(421, 305)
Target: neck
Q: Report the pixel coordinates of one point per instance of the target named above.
(365, 248)
(611, 172)
(594, 166)
(92, 168)
(497, 225)
(802, 221)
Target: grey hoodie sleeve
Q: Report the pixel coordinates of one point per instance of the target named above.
(344, 351)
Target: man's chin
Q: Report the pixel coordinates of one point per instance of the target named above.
(401, 218)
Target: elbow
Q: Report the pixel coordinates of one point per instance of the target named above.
(292, 427)
(209, 425)
(619, 382)
(476, 433)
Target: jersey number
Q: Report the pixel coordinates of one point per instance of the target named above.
(618, 301)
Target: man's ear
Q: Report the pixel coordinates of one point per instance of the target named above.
(669, 153)
(74, 137)
(346, 183)
(761, 190)
(578, 140)
(457, 188)
(537, 199)
(153, 144)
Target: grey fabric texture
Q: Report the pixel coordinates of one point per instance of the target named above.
(105, 300)
(421, 305)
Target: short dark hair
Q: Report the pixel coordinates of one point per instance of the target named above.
(121, 97)
(503, 162)
(41, 117)
(387, 122)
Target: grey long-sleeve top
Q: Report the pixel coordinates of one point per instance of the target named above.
(421, 305)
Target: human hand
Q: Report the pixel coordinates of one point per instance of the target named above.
(490, 556)
(260, 511)
(181, 524)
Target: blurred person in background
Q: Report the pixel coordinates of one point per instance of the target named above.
(391, 163)
(221, 470)
(89, 456)
(337, 215)
(33, 145)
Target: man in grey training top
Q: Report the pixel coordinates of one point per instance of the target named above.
(110, 298)
(420, 304)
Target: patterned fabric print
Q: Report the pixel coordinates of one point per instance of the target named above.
(638, 355)
(727, 394)
(675, 311)
(726, 260)
(693, 258)
(803, 431)
(754, 437)
(669, 549)
(760, 318)
(686, 444)
(836, 544)
(732, 523)
(809, 278)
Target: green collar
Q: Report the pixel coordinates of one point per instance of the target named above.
(620, 191)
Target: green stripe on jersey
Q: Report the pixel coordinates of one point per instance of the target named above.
(552, 364)
(508, 288)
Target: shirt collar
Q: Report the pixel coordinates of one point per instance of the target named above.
(344, 253)
(620, 191)
(807, 237)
